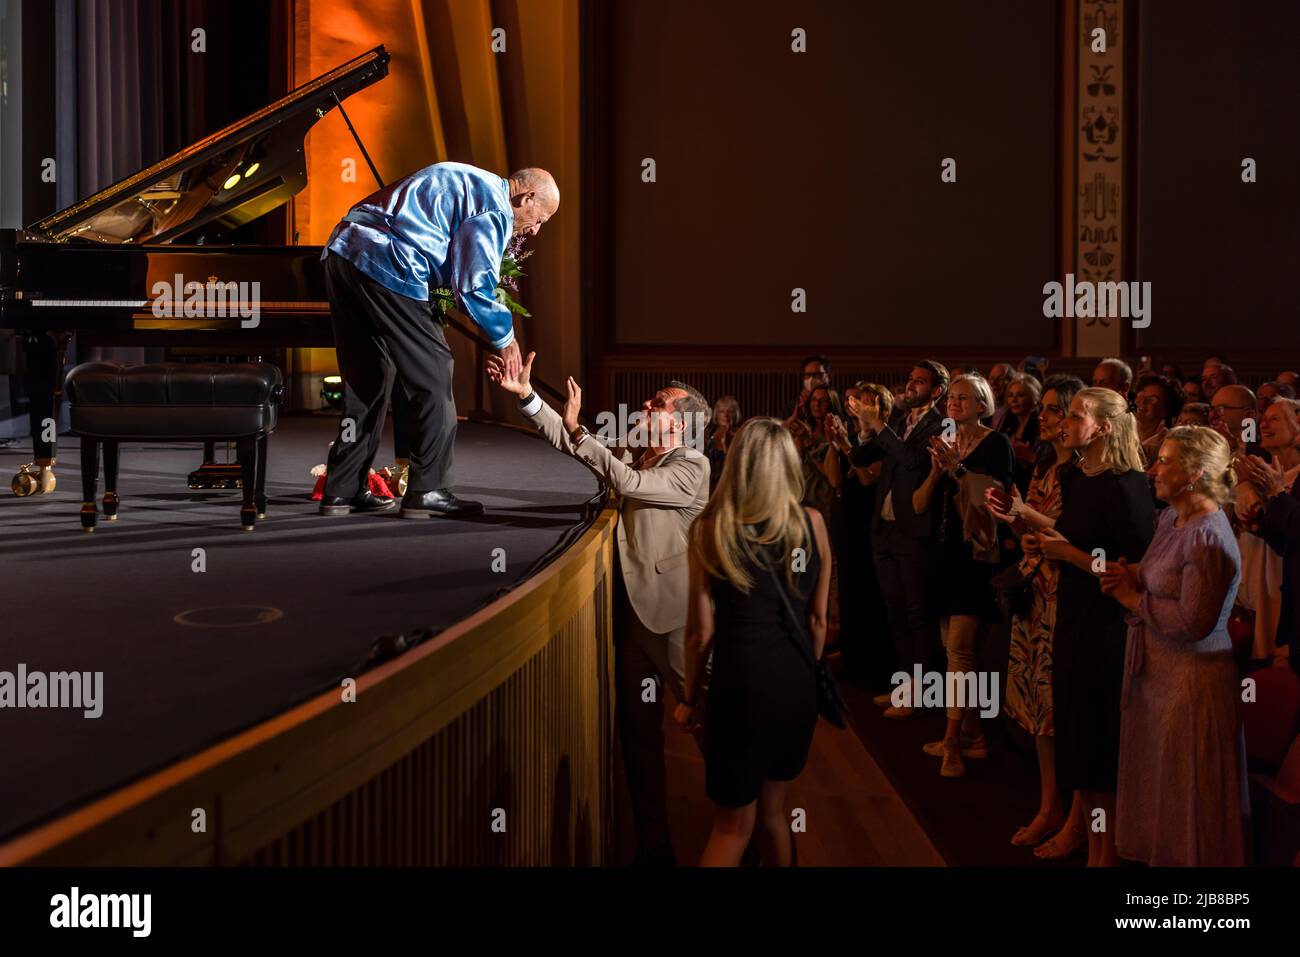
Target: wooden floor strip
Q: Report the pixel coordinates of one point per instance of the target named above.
(854, 816)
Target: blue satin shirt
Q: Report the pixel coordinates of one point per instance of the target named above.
(444, 226)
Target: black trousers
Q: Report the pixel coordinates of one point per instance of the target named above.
(384, 338)
(905, 567)
(639, 655)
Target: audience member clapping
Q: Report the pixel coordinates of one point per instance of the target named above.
(1182, 796)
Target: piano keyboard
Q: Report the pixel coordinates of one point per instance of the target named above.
(69, 303)
(309, 305)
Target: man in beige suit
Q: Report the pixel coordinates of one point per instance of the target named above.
(663, 484)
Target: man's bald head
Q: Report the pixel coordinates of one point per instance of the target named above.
(1230, 407)
(535, 198)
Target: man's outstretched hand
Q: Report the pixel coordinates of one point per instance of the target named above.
(510, 355)
(572, 405)
(517, 382)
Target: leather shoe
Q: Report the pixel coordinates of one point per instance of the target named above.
(365, 503)
(440, 501)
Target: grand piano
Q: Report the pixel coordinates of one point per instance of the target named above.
(94, 267)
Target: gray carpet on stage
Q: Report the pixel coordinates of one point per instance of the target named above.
(279, 615)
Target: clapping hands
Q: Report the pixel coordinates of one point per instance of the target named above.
(1120, 582)
(837, 433)
(1269, 478)
(943, 456)
(867, 411)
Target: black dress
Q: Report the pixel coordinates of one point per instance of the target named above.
(965, 585)
(762, 705)
(1113, 512)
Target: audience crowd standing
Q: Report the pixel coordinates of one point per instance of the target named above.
(1138, 538)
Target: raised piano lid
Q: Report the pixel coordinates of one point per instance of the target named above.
(231, 177)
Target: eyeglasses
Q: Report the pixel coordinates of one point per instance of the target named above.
(1220, 409)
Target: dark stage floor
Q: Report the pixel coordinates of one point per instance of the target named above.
(279, 615)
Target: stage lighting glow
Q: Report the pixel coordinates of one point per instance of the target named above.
(231, 181)
(331, 391)
(251, 170)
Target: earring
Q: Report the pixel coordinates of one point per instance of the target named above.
(1191, 486)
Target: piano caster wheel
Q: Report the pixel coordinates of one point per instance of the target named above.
(261, 515)
(248, 517)
(111, 502)
(24, 483)
(88, 516)
(34, 479)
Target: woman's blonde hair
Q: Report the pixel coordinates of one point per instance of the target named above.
(1031, 385)
(1202, 449)
(983, 392)
(883, 393)
(757, 503)
(1123, 450)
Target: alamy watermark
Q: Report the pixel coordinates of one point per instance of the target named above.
(1101, 300)
(634, 429)
(214, 299)
(946, 689)
(54, 689)
(75, 909)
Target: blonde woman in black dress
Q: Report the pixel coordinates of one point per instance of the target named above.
(1106, 515)
(760, 569)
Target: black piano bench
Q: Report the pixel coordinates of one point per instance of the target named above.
(113, 402)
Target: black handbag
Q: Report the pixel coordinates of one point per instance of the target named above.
(830, 703)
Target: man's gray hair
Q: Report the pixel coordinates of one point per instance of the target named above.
(1123, 368)
(695, 410)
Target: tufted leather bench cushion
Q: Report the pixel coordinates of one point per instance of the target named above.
(196, 401)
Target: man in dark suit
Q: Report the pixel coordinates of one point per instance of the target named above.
(903, 542)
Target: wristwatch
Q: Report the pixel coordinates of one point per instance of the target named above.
(960, 471)
(578, 434)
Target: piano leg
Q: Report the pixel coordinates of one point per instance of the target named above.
(43, 381)
(248, 470)
(111, 501)
(259, 498)
(89, 482)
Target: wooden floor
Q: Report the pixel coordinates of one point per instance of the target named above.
(854, 817)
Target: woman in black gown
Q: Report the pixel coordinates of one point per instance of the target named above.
(760, 565)
(961, 469)
(1106, 515)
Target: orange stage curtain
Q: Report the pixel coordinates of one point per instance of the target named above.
(448, 96)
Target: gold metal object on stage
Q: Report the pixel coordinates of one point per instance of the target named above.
(395, 476)
(35, 478)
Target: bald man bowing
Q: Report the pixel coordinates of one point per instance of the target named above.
(444, 226)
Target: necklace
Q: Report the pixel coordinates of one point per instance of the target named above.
(1091, 470)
